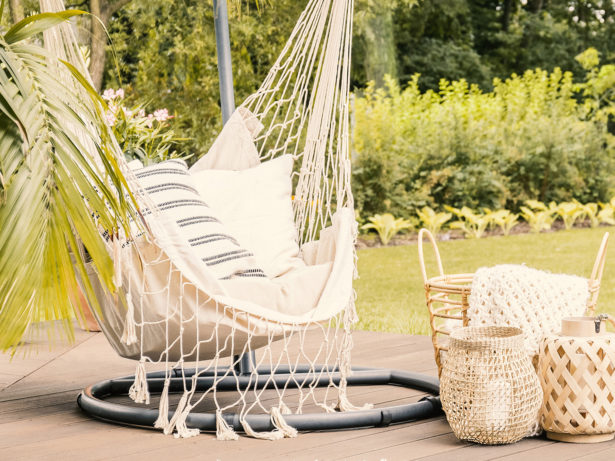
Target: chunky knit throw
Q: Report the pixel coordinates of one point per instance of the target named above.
(533, 300)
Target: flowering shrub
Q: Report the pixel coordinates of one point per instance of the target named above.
(142, 136)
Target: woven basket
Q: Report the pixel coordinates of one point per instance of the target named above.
(447, 294)
(489, 389)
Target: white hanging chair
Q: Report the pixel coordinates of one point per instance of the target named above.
(170, 308)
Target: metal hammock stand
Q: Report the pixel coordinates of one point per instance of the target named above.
(93, 400)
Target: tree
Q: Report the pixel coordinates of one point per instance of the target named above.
(375, 31)
(436, 39)
(103, 10)
(16, 9)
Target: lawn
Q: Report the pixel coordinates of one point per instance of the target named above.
(390, 288)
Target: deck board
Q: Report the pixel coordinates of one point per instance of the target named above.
(40, 420)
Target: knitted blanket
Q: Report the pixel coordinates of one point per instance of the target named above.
(532, 300)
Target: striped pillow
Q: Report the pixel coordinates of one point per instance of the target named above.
(171, 189)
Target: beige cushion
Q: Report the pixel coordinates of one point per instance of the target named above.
(255, 205)
(293, 293)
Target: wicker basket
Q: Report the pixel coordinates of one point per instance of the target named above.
(447, 295)
(489, 389)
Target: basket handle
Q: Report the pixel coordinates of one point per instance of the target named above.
(429, 235)
(596, 277)
(600, 260)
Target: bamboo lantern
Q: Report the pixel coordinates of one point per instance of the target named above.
(489, 389)
(577, 375)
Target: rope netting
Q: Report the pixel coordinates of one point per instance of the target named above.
(168, 312)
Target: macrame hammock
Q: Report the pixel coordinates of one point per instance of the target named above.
(170, 309)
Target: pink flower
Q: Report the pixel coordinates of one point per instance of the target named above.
(119, 93)
(141, 113)
(150, 121)
(161, 115)
(108, 94)
(110, 118)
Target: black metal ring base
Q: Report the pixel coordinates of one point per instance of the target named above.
(91, 400)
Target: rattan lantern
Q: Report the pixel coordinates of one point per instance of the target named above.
(489, 389)
(577, 374)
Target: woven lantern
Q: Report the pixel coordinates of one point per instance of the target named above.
(577, 374)
(489, 389)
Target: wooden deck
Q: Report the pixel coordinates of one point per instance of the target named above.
(40, 420)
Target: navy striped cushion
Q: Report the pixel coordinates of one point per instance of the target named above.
(171, 189)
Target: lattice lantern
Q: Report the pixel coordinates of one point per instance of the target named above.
(577, 374)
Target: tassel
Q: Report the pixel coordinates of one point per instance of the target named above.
(272, 435)
(280, 423)
(129, 336)
(138, 391)
(327, 408)
(163, 410)
(178, 411)
(223, 430)
(180, 425)
(284, 409)
(117, 261)
(343, 404)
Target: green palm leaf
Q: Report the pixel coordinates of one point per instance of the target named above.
(57, 167)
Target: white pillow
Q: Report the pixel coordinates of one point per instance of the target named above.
(255, 204)
(171, 188)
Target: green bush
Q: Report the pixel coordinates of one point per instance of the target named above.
(532, 137)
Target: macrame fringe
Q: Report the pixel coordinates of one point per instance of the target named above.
(163, 413)
(129, 336)
(328, 408)
(272, 435)
(280, 423)
(350, 314)
(139, 391)
(284, 408)
(223, 430)
(178, 411)
(343, 404)
(183, 431)
(355, 237)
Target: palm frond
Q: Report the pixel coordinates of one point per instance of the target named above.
(57, 169)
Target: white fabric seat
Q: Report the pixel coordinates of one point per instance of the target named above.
(294, 293)
(315, 288)
(233, 305)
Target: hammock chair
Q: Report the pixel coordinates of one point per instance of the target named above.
(172, 307)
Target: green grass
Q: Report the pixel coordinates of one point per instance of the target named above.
(390, 289)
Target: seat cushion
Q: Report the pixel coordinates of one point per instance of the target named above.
(172, 190)
(294, 293)
(256, 206)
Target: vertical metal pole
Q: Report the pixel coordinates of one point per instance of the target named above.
(245, 362)
(225, 66)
